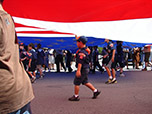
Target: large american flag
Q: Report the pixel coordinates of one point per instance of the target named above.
(41, 21)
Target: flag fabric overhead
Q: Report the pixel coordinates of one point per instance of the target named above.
(50, 20)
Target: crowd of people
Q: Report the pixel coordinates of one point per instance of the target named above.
(16, 91)
(36, 58)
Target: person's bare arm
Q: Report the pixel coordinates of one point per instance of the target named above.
(113, 55)
(29, 65)
(78, 73)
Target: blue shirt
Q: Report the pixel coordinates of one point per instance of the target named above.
(110, 48)
(40, 57)
(82, 57)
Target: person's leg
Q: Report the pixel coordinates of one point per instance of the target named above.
(109, 74)
(121, 72)
(94, 67)
(39, 67)
(30, 74)
(95, 91)
(113, 67)
(58, 66)
(146, 62)
(49, 67)
(127, 64)
(76, 90)
(62, 64)
(113, 73)
(90, 86)
(53, 66)
(114, 76)
(100, 67)
(69, 67)
(34, 74)
(77, 81)
(108, 71)
(122, 65)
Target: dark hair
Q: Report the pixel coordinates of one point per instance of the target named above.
(1, 1)
(26, 48)
(38, 46)
(32, 45)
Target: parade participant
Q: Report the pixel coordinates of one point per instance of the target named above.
(120, 57)
(51, 59)
(40, 59)
(112, 62)
(68, 60)
(146, 50)
(82, 61)
(32, 62)
(16, 91)
(96, 60)
(105, 55)
(23, 55)
(58, 60)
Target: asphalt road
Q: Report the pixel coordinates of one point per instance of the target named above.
(131, 95)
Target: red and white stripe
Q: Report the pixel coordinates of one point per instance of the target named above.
(126, 20)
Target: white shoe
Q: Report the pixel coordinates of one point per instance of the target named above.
(122, 75)
(33, 79)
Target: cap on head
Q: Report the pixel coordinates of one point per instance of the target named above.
(21, 44)
(82, 39)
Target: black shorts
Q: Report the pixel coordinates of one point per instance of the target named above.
(111, 64)
(114, 64)
(83, 79)
(120, 60)
(147, 55)
(33, 67)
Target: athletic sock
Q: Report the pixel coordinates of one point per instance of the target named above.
(110, 77)
(76, 95)
(95, 90)
(33, 76)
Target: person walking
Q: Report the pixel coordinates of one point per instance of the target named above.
(16, 91)
(51, 59)
(58, 60)
(111, 63)
(82, 63)
(120, 57)
(40, 59)
(68, 60)
(23, 55)
(32, 62)
(96, 60)
(136, 57)
(147, 49)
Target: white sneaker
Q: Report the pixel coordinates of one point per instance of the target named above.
(122, 75)
(33, 79)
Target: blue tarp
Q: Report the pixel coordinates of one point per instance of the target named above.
(69, 43)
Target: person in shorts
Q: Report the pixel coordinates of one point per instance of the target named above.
(147, 49)
(82, 63)
(120, 57)
(105, 55)
(111, 62)
(23, 55)
(32, 62)
(40, 60)
(96, 60)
